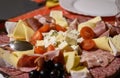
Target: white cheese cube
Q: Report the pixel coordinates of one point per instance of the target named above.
(65, 46)
(40, 43)
(80, 72)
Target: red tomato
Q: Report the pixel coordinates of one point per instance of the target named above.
(59, 28)
(88, 44)
(44, 28)
(37, 36)
(87, 33)
(39, 50)
(50, 48)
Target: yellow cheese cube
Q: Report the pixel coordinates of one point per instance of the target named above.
(60, 38)
(59, 19)
(40, 43)
(13, 58)
(70, 41)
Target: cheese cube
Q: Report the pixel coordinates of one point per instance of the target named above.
(70, 41)
(80, 72)
(58, 16)
(40, 43)
(65, 46)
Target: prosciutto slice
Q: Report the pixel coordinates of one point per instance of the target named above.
(96, 58)
(4, 38)
(112, 30)
(100, 28)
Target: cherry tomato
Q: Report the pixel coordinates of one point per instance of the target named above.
(88, 44)
(39, 50)
(36, 36)
(50, 48)
(60, 28)
(44, 28)
(87, 33)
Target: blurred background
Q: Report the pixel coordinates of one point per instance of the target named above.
(12, 8)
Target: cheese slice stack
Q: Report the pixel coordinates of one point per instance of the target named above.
(72, 60)
(59, 19)
(22, 31)
(115, 45)
(102, 43)
(90, 23)
(13, 58)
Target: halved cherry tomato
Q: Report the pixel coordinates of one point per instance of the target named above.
(60, 28)
(88, 44)
(44, 28)
(39, 50)
(36, 36)
(87, 33)
(50, 48)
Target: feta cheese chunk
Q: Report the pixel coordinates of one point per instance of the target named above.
(65, 46)
(80, 72)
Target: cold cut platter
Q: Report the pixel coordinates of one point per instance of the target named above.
(62, 48)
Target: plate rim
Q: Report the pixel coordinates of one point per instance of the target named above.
(70, 7)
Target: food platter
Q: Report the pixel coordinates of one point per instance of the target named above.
(65, 36)
(102, 8)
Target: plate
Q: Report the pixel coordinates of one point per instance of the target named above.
(102, 8)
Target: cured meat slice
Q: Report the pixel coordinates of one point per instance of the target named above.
(96, 58)
(108, 71)
(4, 38)
(10, 71)
(14, 73)
(100, 28)
(33, 23)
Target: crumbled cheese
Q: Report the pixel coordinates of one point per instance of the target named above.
(75, 47)
(79, 40)
(72, 34)
(62, 45)
(49, 40)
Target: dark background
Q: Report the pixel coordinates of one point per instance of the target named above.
(12, 8)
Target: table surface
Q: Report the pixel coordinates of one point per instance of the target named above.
(12, 8)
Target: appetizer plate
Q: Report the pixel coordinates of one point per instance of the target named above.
(102, 8)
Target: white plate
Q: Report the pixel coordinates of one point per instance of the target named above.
(103, 8)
